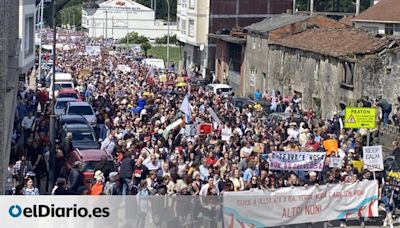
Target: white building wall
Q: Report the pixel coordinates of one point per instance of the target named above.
(26, 32)
(115, 23)
(371, 26)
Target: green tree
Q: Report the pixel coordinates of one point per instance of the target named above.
(162, 8)
(134, 38)
(163, 39)
(145, 47)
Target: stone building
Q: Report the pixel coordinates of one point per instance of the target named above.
(9, 59)
(327, 62)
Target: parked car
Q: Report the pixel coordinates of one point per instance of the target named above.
(84, 109)
(69, 119)
(223, 89)
(83, 136)
(196, 83)
(282, 117)
(90, 160)
(61, 103)
(69, 93)
(242, 102)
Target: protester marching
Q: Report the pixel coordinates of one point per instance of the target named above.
(161, 136)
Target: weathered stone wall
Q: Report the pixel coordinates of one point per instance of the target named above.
(381, 75)
(8, 79)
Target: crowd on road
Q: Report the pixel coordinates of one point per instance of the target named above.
(135, 112)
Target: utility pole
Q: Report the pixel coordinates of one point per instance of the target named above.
(127, 30)
(53, 116)
(106, 25)
(168, 35)
(40, 35)
(357, 7)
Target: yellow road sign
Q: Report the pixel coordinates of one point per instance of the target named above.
(360, 118)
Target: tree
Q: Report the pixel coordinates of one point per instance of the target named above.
(163, 39)
(145, 46)
(134, 38)
(162, 8)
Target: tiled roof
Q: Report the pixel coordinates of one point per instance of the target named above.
(347, 20)
(275, 22)
(333, 42)
(383, 11)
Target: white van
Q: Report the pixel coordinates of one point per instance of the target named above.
(62, 81)
(157, 63)
(223, 89)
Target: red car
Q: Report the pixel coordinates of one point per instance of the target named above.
(90, 160)
(69, 93)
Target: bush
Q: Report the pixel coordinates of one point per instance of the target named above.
(134, 38)
(163, 39)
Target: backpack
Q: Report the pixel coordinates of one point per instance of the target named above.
(109, 188)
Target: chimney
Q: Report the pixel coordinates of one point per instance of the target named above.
(357, 7)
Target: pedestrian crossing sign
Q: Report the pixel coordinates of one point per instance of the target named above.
(359, 117)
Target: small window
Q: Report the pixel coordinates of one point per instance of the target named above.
(191, 28)
(389, 29)
(192, 4)
(348, 74)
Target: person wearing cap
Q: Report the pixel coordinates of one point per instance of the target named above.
(113, 186)
(97, 188)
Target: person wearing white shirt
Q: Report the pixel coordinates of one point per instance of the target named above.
(27, 124)
(204, 191)
(152, 164)
(108, 144)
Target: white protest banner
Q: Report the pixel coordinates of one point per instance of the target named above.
(306, 161)
(372, 158)
(226, 134)
(300, 205)
(93, 50)
(190, 130)
(214, 115)
(335, 162)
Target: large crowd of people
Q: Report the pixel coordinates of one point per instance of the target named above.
(134, 109)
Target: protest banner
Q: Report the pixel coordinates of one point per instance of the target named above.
(84, 73)
(190, 130)
(300, 205)
(214, 115)
(93, 50)
(226, 134)
(335, 162)
(305, 161)
(372, 158)
(163, 78)
(258, 147)
(204, 129)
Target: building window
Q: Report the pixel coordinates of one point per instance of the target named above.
(183, 26)
(254, 43)
(396, 30)
(389, 29)
(179, 2)
(179, 22)
(192, 4)
(348, 73)
(235, 56)
(191, 28)
(29, 36)
(316, 70)
(370, 29)
(253, 73)
(184, 3)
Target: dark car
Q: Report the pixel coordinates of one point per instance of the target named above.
(279, 117)
(196, 83)
(242, 102)
(83, 136)
(69, 119)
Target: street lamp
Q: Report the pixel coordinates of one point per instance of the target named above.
(52, 115)
(168, 35)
